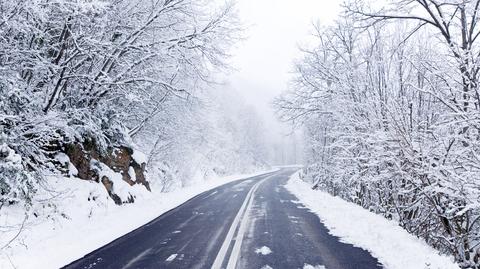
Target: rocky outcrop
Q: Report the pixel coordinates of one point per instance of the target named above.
(118, 159)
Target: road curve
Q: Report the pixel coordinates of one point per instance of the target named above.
(249, 223)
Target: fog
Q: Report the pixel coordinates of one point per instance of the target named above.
(263, 61)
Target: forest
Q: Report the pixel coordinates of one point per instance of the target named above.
(129, 97)
(95, 89)
(389, 98)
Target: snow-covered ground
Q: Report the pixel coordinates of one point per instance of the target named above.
(394, 247)
(88, 220)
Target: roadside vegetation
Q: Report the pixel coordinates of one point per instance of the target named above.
(389, 99)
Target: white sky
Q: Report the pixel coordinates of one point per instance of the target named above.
(264, 60)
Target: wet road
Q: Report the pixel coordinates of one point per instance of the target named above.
(250, 223)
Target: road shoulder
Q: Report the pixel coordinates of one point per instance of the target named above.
(394, 247)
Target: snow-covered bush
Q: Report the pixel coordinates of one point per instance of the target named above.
(17, 185)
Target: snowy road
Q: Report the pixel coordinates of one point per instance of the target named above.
(251, 223)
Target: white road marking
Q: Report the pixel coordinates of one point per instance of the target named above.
(234, 256)
(247, 203)
(232, 261)
(137, 258)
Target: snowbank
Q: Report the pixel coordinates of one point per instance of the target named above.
(89, 220)
(394, 247)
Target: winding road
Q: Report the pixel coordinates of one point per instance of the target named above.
(250, 223)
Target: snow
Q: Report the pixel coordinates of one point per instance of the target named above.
(263, 250)
(393, 246)
(62, 158)
(132, 174)
(90, 220)
(120, 187)
(308, 266)
(10, 155)
(139, 157)
(171, 257)
(65, 160)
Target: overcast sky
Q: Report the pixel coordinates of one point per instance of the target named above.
(275, 29)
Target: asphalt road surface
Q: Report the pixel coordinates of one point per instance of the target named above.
(250, 223)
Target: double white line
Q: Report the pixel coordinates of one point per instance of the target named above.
(242, 216)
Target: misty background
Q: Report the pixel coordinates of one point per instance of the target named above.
(263, 62)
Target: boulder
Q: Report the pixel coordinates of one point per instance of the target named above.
(118, 159)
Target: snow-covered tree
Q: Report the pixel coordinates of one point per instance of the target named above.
(388, 101)
(101, 75)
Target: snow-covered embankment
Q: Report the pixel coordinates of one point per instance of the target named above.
(86, 225)
(394, 247)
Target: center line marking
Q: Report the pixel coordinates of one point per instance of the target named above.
(217, 264)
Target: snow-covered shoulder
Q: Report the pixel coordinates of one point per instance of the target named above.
(393, 246)
(89, 220)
